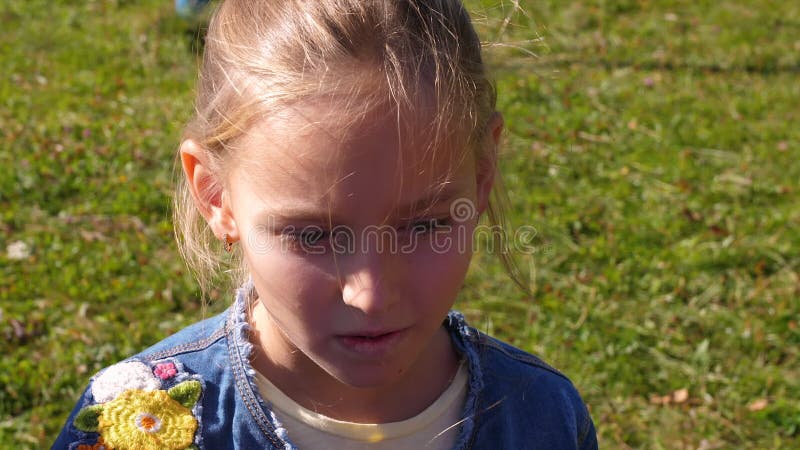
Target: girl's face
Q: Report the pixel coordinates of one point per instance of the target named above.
(353, 250)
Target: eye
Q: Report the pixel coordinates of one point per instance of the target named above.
(428, 225)
(305, 237)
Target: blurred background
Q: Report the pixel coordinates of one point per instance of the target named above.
(652, 145)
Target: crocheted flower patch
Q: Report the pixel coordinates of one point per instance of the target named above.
(165, 370)
(134, 412)
(99, 445)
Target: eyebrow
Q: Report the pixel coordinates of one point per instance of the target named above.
(442, 194)
(300, 215)
(313, 215)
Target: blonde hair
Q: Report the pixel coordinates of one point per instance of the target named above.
(263, 56)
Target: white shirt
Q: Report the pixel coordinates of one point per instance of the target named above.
(434, 428)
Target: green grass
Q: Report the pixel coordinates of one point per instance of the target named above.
(653, 145)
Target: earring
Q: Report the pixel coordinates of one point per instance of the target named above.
(227, 244)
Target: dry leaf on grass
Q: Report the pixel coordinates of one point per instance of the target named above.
(677, 397)
(758, 404)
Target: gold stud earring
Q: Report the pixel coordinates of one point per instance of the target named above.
(226, 243)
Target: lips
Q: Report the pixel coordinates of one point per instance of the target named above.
(371, 343)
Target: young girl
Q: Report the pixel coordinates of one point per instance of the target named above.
(342, 151)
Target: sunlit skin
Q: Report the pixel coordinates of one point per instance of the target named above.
(314, 309)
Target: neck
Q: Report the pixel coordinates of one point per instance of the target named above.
(300, 378)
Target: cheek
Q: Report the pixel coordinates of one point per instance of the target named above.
(290, 284)
(440, 263)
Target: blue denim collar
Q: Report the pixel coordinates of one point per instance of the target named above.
(465, 340)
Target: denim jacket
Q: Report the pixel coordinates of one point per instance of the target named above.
(196, 390)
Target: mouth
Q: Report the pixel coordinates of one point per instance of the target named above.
(371, 344)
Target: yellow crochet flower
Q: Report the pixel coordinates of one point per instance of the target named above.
(146, 420)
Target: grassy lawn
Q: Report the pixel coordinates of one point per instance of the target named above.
(653, 145)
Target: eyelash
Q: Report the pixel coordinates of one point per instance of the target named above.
(316, 235)
(430, 224)
(301, 238)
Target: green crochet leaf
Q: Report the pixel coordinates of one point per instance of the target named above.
(186, 393)
(86, 419)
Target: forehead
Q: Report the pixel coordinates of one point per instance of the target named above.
(314, 157)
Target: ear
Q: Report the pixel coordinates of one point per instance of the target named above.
(207, 191)
(486, 165)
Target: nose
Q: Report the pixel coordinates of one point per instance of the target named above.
(365, 286)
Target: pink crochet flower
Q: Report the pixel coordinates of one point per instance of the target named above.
(165, 370)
